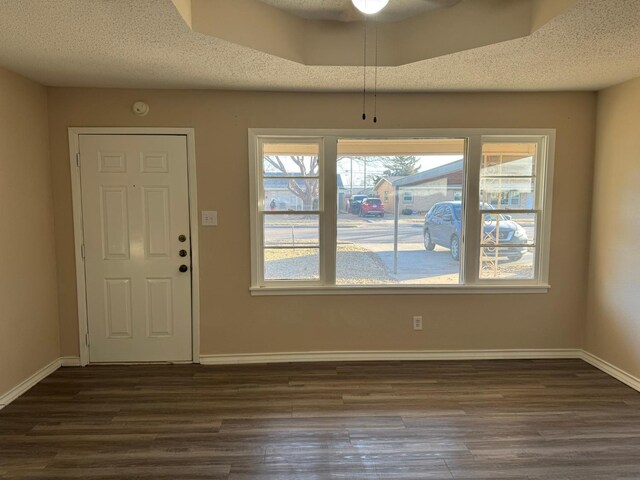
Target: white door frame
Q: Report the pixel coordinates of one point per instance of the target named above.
(76, 190)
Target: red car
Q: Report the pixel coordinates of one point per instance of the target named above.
(372, 206)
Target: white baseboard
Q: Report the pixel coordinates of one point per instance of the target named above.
(22, 387)
(44, 372)
(611, 370)
(360, 356)
(357, 356)
(70, 361)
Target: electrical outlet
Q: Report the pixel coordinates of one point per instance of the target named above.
(417, 322)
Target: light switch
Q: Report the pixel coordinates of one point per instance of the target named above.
(209, 218)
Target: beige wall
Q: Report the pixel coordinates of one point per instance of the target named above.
(235, 322)
(613, 324)
(29, 336)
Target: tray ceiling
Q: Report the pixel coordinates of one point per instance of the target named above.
(147, 44)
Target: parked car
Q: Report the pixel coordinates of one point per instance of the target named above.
(372, 206)
(354, 203)
(443, 226)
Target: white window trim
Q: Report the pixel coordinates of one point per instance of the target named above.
(259, 207)
(543, 195)
(470, 252)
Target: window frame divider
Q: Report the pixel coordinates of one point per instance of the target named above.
(471, 242)
(329, 221)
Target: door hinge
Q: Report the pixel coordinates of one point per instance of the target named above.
(82, 250)
(78, 159)
(86, 338)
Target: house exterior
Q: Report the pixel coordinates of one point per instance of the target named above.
(420, 191)
(505, 180)
(277, 190)
(384, 189)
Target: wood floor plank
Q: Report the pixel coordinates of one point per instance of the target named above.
(461, 420)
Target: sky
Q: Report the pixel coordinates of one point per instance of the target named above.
(375, 167)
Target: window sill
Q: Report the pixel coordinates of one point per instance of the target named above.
(401, 290)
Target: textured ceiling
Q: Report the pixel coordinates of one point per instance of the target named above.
(145, 43)
(343, 10)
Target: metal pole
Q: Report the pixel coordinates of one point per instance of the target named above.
(395, 228)
(351, 177)
(365, 174)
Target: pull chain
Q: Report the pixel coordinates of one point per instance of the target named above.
(375, 84)
(364, 73)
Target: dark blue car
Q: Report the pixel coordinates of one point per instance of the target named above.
(443, 226)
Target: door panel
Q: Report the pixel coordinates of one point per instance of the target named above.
(135, 207)
(157, 221)
(160, 307)
(154, 162)
(114, 217)
(112, 162)
(117, 307)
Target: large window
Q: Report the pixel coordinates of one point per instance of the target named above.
(354, 211)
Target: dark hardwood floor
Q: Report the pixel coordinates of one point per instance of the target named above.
(524, 419)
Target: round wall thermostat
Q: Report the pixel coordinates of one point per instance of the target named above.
(140, 108)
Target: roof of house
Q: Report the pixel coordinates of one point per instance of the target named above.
(388, 178)
(431, 174)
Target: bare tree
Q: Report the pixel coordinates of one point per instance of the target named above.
(303, 188)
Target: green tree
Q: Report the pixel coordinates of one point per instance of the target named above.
(401, 165)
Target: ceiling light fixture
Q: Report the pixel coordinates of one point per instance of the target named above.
(369, 7)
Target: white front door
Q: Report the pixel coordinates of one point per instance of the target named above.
(135, 208)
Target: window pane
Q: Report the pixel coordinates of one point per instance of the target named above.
(508, 182)
(508, 193)
(507, 263)
(284, 194)
(291, 264)
(422, 175)
(291, 230)
(508, 159)
(504, 229)
(290, 159)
